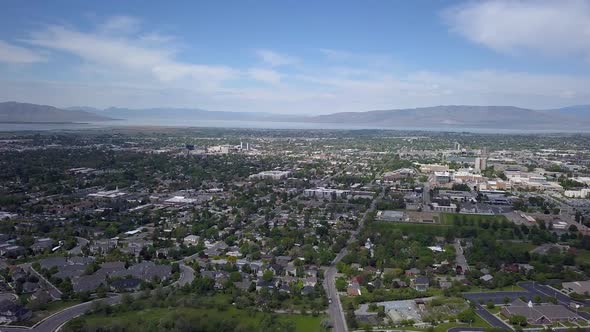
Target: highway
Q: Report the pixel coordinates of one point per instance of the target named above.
(335, 309)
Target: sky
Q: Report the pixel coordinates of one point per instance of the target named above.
(297, 57)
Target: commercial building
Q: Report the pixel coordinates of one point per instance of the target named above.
(444, 208)
(431, 168)
(321, 193)
(399, 174)
(389, 215)
(442, 177)
(543, 314)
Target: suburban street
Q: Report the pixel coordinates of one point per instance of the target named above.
(460, 256)
(335, 310)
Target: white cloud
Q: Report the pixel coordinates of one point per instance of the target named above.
(130, 54)
(120, 25)
(265, 75)
(15, 54)
(551, 27)
(137, 68)
(275, 59)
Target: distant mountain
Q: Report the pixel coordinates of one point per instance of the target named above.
(22, 112)
(579, 111)
(188, 113)
(462, 116)
(437, 117)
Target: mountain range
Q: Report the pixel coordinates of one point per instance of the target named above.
(13, 112)
(444, 117)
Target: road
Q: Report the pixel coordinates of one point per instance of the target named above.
(496, 298)
(55, 321)
(335, 310)
(460, 256)
(426, 196)
(187, 275)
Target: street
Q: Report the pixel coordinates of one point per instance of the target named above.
(335, 309)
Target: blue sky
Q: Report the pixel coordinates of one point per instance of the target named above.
(305, 57)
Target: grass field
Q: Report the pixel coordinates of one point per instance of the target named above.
(454, 218)
(148, 317)
(437, 229)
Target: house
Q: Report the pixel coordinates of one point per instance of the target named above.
(11, 312)
(291, 270)
(307, 290)
(11, 251)
(40, 297)
(30, 287)
(149, 271)
(88, 283)
(459, 270)
(444, 284)
(354, 289)
(486, 277)
(112, 270)
(50, 262)
(260, 284)
(398, 283)
(41, 245)
(412, 272)
(70, 271)
(191, 240)
(126, 285)
(77, 260)
(420, 283)
(311, 281)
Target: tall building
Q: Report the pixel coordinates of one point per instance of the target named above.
(481, 163)
(457, 146)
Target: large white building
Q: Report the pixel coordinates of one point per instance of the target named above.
(582, 193)
(271, 175)
(326, 193)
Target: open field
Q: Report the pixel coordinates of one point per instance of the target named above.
(144, 319)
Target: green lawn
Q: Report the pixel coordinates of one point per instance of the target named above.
(479, 322)
(514, 288)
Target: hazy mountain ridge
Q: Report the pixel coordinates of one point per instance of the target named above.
(163, 112)
(451, 116)
(24, 112)
(464, 116)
